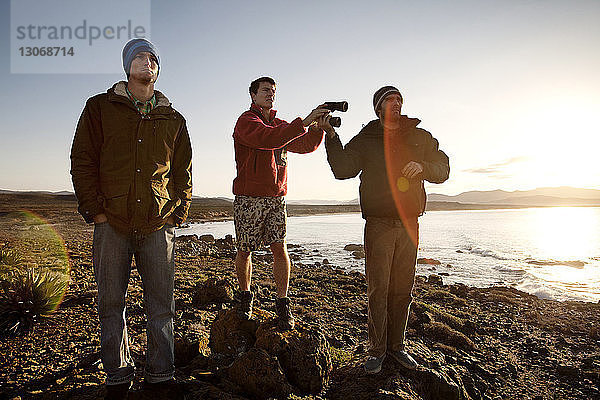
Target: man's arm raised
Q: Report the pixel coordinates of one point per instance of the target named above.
(252, 131)
(345, 162)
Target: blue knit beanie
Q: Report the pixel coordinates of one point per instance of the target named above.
(135, 46)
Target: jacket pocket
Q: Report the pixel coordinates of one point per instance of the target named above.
(115, 199)
(164, 132)
(162, 203)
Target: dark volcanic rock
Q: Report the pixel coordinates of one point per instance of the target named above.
(351, 382)
(213, 291)
(206, 238)
(524, 347)
(186, 351)
(259, 374)
(439, 385)
(568, 370)
(354, 247)
(303, 355)
(358, 254)
(435, 280)
(232, 335)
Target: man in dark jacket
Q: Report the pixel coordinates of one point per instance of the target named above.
(395, 156)
(261, 143)
(131, 170)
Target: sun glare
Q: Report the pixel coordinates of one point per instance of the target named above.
(564, 233)
(565, 238)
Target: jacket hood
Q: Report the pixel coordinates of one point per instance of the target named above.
(119, 89)
(374, 128)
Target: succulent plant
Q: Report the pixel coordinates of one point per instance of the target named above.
(26, 295)
(10, 257)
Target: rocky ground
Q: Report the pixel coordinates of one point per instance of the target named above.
(494, 343)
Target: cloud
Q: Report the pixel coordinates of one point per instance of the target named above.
(497, 167)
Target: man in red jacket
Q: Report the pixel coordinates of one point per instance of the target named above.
(261, 143)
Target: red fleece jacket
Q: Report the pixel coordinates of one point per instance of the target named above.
(260, 151)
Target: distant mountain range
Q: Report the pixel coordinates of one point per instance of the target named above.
(61, 193)
(542, 197)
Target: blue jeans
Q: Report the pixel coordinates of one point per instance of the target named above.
(112, 257)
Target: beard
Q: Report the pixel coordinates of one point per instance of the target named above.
(391, 117)
(144, 78)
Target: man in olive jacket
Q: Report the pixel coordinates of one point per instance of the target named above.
(395, 156)
(131, 170)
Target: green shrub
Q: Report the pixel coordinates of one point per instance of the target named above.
(26, 295)
(440, 315)
(443, 333)
(339, 357)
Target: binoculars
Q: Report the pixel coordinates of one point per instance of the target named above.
(332, 106)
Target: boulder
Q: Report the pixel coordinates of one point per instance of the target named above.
(435, 280)
(259, 375)
(429, 261)
(437, 384)
(231, 335)
(226, 243)
(186, 237)
(213, 291)
(206, 238)
(569, 371)
(186, 350)
(302, 353)
(354, 247)
(358, 254)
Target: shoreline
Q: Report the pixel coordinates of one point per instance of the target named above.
(313, 255)
(484, 343)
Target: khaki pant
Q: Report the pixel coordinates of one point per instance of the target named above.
(390, 273)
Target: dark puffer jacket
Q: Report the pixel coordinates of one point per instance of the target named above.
(134, 168)
(384, 191)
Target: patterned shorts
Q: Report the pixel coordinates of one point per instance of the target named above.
(258, 221)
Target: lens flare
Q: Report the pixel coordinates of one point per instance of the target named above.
(402, 184)
(407, 192)
(35, 244)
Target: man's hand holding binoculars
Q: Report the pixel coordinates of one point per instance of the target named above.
(314, 115)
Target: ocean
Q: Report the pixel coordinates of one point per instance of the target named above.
(553, 252)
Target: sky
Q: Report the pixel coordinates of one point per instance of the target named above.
(509, 88)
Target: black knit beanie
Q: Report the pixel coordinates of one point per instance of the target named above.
(381, 94)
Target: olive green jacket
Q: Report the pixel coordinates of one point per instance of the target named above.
(135, 168)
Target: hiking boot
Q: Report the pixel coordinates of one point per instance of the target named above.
(244, 308)
(117, 392)
(373, 364)
(170, 389)
(285, 319)
(404, 359)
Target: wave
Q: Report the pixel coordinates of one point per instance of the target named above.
(483, 253)
(510, 270)
(571, 263)
(539, 290)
